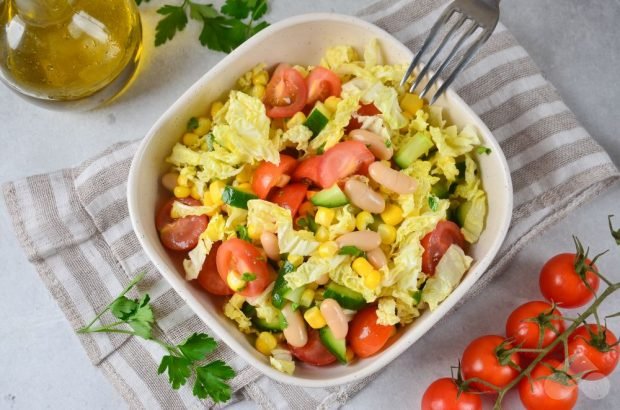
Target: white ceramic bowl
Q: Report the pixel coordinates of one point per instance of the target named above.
(301, 40)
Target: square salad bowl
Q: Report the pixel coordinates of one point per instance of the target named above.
(303, 40)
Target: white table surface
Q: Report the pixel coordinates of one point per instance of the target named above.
(43, 365)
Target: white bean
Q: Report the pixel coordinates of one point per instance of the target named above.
(169, 180)
(364, 240)
(295, 332)
(375, 143)
(392, 179)
(335, 318)
(362, 196)
(269, 242)
(377, 258)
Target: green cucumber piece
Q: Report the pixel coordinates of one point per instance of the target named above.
(318, 119)
(261, 324)
(236, 198)
(346, 298)
(281, 288)
(441, 189)
(413, 149)
(330, 198)
(337, 347)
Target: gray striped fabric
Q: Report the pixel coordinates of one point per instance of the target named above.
(74, 225)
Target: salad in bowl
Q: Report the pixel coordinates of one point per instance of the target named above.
(326, 204)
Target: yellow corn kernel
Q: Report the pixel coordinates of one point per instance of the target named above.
(258, 91)
(182, 180)
(327, 249)
(204, 125)
(363, 219)
(393, 215)
(260, 78)
(362, 267)
(234, 281)
(387, 234)
(245, 187)
(322, 234)
(297, 119)
(331, 103)
(190, 139)
(181, 191)
(296, 260)
(215, 108)
(324, 216)
(245, 175)
(253, 232)
(315, 318)
(194, 192)
(411, 103)
(265, 343)
(307, 296)
(216, 188)
(373, 279)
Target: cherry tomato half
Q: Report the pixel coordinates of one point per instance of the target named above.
(240, 256)
(308, 169)
(344, 159)
(437, 242)
(481, 360)
(313, 352)
(366, 337)
(443, 394)
(560, 283)
(267, 175)
(544, 391)
(526, 322)
(286, 92)
(180, 234)
(322, 83)
(290, 197)
(594, 352)
(209, 278)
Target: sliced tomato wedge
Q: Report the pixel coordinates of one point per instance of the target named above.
(308, 169)
(365, 110)
(437, 242)
(286, 92)
(322, 83)
(290, 197)
(342, 160)
(209, 279)
(313, 352)
(180, 234)
(267, 175)
(242, 257)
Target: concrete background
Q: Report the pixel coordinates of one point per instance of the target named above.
(575, 42)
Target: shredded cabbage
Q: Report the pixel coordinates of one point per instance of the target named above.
(344, 275)
(181, 210)
(232, 310)
(338, 55)
(314, 268)
(197, 256)
(471, 191)
(386, 312)
(448, 273)
(386, 100)
(344, 222)
(372, 54)
(282, 360)
(299, 135)
(334, 130)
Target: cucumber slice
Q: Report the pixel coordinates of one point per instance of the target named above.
(276, 325)
(330, 198)
(318, 119)
(294, 295)
(281, 288)
(347, 298)
(338, 347)
(441, 189)
(413, 149)
(236, 198)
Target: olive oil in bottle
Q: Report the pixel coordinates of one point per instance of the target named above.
(65, 51)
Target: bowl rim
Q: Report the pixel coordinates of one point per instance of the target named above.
(176, 280)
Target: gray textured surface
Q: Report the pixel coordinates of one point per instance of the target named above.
(573, 41)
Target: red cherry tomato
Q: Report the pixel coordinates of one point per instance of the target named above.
(544, 391)
(286, 92)
(594, 352)
(366, 337)
(240, 256)
(437, 242)
(365, 110)
(209, 278)
(313, 352)
(344, 159)
(290, 197)
(267, 175)
(180, 234)
(560, 283)
(308, 169)
(322, 83)
(443, 394)
(526, 322)
(481, 360)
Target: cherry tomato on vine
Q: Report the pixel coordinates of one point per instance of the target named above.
(593, 351)
(525, 324)
(487, 358)
(443, 394)
(548, 388)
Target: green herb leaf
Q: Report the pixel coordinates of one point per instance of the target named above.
(142, 320)
(308, 224)
(175, 20)
(192, 124)
(259, 9)
(320, 150)
(236, 8)
(433, 203)
(242, 233)
(123, 308)
(483, 150)
(178, 370)
(351, 250)
(138, 2)
(388, 143)
(258, 28)
(248, 276)
(201, 11)
(197, 346)
(210, 381)
(223, 34)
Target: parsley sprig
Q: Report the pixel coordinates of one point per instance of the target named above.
(135, 317)
(223, 30)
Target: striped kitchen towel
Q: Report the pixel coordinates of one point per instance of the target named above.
(74, 224)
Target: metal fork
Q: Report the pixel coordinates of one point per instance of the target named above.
(484, 15)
